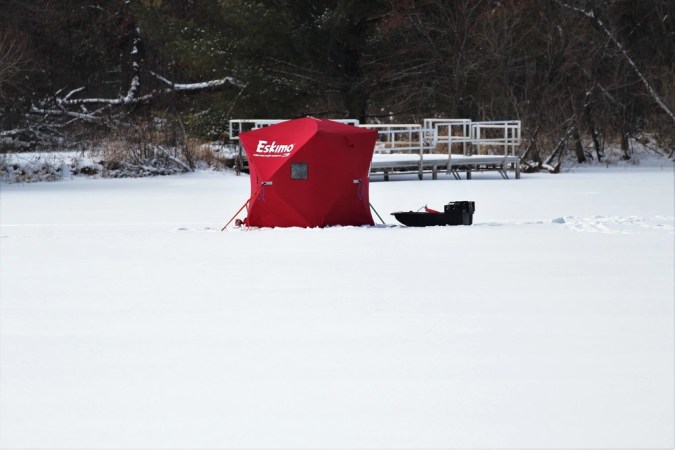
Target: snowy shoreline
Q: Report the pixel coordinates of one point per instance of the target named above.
(29, 167)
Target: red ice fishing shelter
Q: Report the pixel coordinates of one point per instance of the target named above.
(309, 173)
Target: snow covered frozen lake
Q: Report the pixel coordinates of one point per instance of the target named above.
(127, 319)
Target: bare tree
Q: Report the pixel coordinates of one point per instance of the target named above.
(599, 23)
(13, 57)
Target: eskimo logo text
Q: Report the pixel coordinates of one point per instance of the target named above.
(273, 149)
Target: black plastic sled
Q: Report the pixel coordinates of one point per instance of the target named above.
(454, 213)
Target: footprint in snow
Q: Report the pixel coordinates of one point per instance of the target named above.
(617, 224)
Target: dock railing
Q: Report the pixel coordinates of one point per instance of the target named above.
(450, 132)
(487, 135)
(400, 138)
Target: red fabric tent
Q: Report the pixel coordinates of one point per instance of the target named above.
(309, 173)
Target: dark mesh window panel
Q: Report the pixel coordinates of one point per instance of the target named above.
(298, 171)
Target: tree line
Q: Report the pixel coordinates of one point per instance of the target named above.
(579, 74)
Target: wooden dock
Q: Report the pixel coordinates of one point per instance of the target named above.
(391, 164)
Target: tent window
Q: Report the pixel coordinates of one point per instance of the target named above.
(298, 171)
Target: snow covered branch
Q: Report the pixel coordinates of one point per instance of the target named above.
(135, 84)
(10, 133)
(131, 98)
(195, 86)
(60, 112)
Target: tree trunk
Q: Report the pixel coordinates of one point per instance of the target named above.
(559, 147)
(590, 123)
(578, 146)
(625, 145)
(532, 147)
(354, 92)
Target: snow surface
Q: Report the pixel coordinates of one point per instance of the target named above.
(127, 319)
